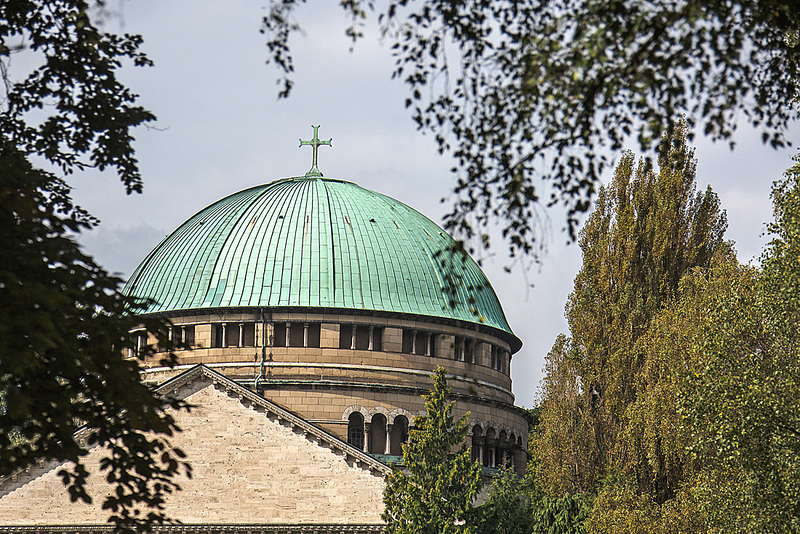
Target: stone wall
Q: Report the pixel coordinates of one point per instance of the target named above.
(247, 468)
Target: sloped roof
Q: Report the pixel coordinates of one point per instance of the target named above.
(317, 242)
(283, 415)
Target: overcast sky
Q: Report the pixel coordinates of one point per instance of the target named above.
(222, 129)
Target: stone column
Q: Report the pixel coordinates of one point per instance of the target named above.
(388, 447)
(371, 337)
(305, 334)
(224, 341)
(241, 335)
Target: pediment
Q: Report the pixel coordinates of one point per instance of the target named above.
(253, 462)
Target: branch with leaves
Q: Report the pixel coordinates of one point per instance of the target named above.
(533, 98)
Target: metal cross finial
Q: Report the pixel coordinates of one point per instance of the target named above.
(315, 143)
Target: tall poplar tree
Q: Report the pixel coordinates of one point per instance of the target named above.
(649, 228)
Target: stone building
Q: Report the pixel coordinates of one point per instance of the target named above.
(316, 312)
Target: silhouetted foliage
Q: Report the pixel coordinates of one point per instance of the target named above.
(64, 325)
(531, 96)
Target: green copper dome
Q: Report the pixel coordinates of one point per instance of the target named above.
(313, 243)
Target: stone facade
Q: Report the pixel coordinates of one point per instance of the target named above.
(316, 365)
(305, 347)
(253, 463)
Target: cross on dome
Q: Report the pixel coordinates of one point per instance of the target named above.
(315, 143)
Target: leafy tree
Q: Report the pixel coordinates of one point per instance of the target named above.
(648, 230)
(546, 89)
(563, 441)
(565, 515)
(660, 487)
(435, 493)
(64, 324)
(709, 441)
(743, 407)
(509, 507)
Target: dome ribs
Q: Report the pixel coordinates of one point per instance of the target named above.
(314, 243)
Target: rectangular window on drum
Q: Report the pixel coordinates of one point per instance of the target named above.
(345, 336)
(362, 337)
(232, 333)
(458, 349)
(469, 350)
(313, 335)
(249, 335)
(408, 341)
(296, 335)
(175, 334)
(216, 336)
(377, 338)
(279, 335)
(189, 333)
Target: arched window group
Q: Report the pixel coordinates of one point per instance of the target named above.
(377, 436)
(493, 449)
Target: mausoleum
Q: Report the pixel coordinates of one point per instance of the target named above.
(321, 307)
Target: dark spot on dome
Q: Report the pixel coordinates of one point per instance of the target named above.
(372, 220)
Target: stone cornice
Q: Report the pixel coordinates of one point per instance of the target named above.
(358, 367)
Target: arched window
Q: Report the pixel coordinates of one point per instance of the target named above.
(377, 434)
(399, 435)
(355, 430)
(477, 443)
(489, 450)
(502, 449)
